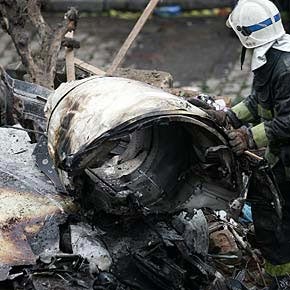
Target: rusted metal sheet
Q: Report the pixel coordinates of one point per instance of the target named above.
(21, 213)
(30, 208)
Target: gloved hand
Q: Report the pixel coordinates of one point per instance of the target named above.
(220, 117)
(241, 140)
(224, 119)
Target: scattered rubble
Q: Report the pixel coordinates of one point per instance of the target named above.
(137, 192)
(30, 209)
(118, 184)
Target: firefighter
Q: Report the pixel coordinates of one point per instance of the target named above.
(258, 25)
(284, 8)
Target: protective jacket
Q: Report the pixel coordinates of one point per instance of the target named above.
(268, 108)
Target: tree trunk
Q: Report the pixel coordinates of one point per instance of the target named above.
(16, 18)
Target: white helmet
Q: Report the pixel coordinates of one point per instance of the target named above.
(256, 22)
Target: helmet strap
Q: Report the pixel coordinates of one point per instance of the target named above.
(243, 55)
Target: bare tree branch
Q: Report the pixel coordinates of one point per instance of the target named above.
(69, 24)
(36, 18)
(16, 17)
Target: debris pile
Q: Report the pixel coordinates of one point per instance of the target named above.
(128, 198)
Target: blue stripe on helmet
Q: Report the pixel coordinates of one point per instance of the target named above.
(277, 17)
(263, 24)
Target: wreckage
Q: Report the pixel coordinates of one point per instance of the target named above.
(142, 164)
(136, 140)
(140, 142)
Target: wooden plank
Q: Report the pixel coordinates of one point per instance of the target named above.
(88, 67)
(69, 60)
(132, 36)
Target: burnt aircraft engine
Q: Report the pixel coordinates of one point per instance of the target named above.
(117, 141)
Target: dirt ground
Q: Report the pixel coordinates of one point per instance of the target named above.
(200, 52)
(191, 49)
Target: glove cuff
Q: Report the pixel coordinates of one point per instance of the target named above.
(251, 141)
(233, 119)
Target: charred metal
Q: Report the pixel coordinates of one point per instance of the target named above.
(133, 178)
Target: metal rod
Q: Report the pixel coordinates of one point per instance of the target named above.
(253, 155)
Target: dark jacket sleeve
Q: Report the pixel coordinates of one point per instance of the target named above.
(278, 129)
